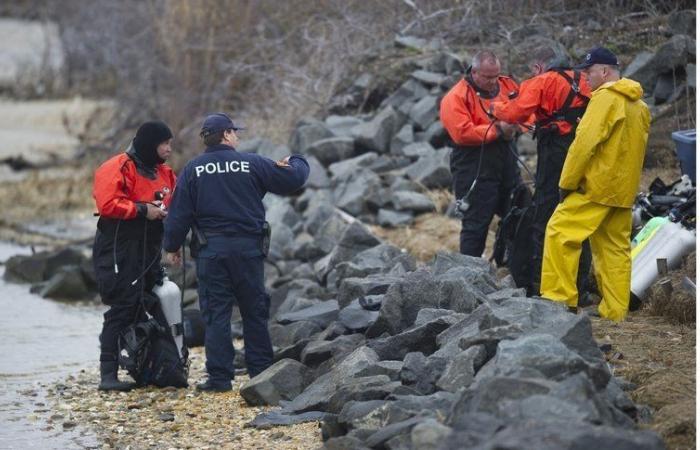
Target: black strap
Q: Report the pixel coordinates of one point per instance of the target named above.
(177, 329)
(575, 91)
(563, 112)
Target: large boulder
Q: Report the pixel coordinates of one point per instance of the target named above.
(408, 93)
(421, 338)
(321, 314)
(284, 380)
(376, 134)
(41, 266)
(460, 371)
(342, 125)
(401, 139)
(420, 372)
(352, 193)
(377, 387)
(432, 170)
(412, 201)
(356, 318)
(333, 149)
(418, 290)
(307, 132)
(424, 112)
(283, 336)
(392, 219)
(380, 258)
(674, 53)
(347, 167)
(355, 239)
(67, 284)
(682, 22)
(317, 352)
(416, 150)
(317, 395)
(538, 356)
(555, 435)
(318, 177)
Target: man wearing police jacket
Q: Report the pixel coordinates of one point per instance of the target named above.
(220, 192)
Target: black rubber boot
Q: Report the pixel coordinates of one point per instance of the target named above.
(209, 386)
(108, 378)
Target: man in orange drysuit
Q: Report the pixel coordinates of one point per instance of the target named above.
(129, 190)
(482, 162)
(558, 97)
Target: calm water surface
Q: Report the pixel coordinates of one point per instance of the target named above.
(41, 341)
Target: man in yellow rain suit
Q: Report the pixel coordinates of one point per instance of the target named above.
(598, 186)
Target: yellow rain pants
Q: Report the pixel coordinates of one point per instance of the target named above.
(608, 228)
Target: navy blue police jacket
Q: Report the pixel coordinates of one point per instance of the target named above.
(221, 192)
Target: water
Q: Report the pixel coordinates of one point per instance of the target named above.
(41, 341)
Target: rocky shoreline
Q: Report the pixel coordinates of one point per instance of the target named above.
(170, 418)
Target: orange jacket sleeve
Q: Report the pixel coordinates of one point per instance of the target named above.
(522, 107)
(172, 181)
(457, 120)
(113, 182)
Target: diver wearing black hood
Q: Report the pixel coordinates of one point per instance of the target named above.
(144, 148)
(129, 190)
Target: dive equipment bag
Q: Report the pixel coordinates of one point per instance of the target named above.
(513, 247)
(153, 350)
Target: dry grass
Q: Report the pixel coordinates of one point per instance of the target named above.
(668, 298)
(659, 358)
(47, 193)
(430, 234)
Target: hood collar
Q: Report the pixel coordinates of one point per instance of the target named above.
(218, 148)
(624, 86)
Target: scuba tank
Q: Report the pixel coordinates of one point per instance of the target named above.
(671, 242)
(645, 234)
(169, 296)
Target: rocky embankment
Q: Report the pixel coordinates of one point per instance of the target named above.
(386, 352)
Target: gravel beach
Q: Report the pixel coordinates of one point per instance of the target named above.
(170, 418)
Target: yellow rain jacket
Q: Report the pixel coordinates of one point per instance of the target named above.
(604, 162)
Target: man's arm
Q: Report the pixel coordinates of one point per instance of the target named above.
(602, 114)
(180, 215)
(521, 108)
(458, 122)
(282, 177)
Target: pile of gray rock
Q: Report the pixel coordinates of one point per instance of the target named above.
(390, 355)
(63, 274)
(666, 74)
(378, 167)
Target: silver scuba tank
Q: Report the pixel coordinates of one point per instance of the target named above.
(671, 242)
(169, 295)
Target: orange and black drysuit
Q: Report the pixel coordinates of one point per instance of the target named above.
(557, 98)
(127, 248)
(463, 113)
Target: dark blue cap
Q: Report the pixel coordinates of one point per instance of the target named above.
(598, 55)
(218, 122)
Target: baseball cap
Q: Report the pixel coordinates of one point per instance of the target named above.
(598, 55)
(217, 122)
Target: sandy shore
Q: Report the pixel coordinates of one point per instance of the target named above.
(171, 418)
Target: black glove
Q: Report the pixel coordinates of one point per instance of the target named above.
(563, 193)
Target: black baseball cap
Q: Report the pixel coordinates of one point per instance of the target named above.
(598, 55)
(218, 122)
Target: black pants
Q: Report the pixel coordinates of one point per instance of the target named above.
(497, 177)
(230, 270)
(117, 288)
(551, 154)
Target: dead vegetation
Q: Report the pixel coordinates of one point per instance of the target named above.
(659, 358)
(671, 297)
(270, 63)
